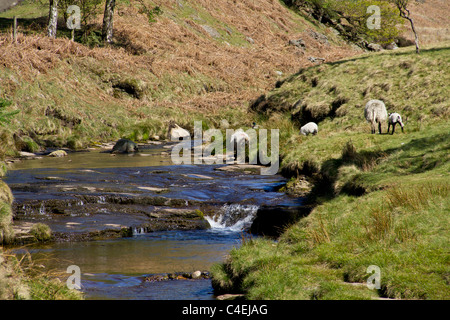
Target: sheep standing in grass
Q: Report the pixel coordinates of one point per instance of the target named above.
(375, 112)
(309, 128)
(393, 119)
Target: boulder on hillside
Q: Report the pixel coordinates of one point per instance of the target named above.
(374, 47)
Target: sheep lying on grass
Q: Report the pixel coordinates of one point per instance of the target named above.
(309, 128)
(393, 119)
(375, 112)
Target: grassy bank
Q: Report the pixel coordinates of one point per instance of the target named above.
(379, 200)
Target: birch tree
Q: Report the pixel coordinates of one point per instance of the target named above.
(402, 6)
(107, 30)
(52, 18)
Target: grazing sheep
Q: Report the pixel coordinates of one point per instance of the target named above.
(309, 128)
(375, 112)
(393, 119)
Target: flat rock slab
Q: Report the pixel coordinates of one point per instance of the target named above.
(198, 176)
(246, 168)
(154, 189)
(230, 296)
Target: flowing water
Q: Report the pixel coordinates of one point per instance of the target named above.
(90, 191)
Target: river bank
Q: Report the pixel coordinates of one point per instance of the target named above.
(378, 200)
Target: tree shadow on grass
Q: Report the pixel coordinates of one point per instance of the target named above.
(25, 25)
(89, 35)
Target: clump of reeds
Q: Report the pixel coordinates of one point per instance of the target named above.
(416, 197)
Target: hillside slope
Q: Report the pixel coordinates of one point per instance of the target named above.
(431, 21)
(199, 59)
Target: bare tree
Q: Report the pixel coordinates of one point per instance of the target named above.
(402, 6)
(52, 18)
(107, 31)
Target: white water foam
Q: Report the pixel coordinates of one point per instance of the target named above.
(233, 217)
(138, 231)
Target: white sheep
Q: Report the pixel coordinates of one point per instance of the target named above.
(239, 139)
(375, 112)
(393, 119)
(309, 128)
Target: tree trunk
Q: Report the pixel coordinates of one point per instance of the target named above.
(404, 13)
(52, 19)
(107, 31)
(416, 37)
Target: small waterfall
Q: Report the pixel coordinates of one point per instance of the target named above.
(42, 209)
(101, 200)
(233, 217)
(137, 231)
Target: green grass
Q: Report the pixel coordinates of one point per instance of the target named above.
(23, 278)
(379, 200)
(415, 86)
(402, 229)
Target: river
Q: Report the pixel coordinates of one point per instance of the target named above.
(86, 197)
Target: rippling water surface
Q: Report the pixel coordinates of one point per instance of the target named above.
(116, 268)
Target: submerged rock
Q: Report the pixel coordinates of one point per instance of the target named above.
(125, 146)
(58, 153)
(177, 276)
(154, 189)
(245, 168)
(28, 155)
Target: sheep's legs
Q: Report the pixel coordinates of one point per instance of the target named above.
(389, 126)
(372, 127)
(379, 127)
(393, 127)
